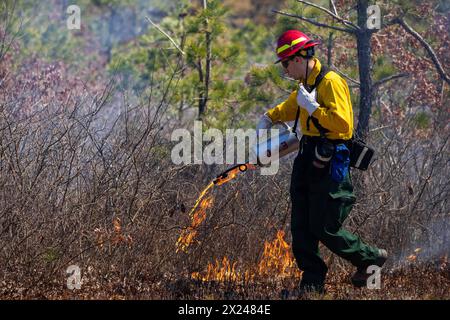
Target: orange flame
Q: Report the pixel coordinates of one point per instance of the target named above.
(198, 216)
(413, 257)
(277, 260)
(230, 175)
(114, 236)
(444, 262)
(187, 236)
(209, 186)
(221, 271)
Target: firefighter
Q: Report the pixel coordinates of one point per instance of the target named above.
(321, 189)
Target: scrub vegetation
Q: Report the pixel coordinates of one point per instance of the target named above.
(86, 176)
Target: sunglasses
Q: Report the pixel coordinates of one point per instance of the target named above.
(285, 63)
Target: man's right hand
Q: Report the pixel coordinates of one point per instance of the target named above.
(264, 123)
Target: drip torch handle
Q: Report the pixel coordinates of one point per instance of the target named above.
(283, 124)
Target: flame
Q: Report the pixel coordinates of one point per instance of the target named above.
(221, 271)
(197, 217)
(117, 226)
(230, 175)
(444, 262)
(227, 177)
(198, 212)
(114, 236)
(413, 257)
(277, 260)
(209, 186)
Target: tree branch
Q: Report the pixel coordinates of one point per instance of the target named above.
(387, 79)
(344, 75)
(426, 46)
(318, 24)
(162, 31)
(333, 6)
(334, 15)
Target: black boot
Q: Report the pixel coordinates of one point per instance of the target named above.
(311, 284)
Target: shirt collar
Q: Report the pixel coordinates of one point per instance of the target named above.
(314, 72)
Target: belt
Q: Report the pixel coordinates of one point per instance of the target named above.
(315, 139)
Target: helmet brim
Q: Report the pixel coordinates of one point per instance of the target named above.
(310, 44)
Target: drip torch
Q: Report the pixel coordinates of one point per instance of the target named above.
(286, 143)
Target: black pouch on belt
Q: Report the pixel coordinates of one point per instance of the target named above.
(323, 152)
(324, 149)
(360, 154)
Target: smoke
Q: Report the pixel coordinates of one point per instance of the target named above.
(430, 243)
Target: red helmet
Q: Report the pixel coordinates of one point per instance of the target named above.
(291, 42)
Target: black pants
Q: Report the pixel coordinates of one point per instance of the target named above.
(319, 207)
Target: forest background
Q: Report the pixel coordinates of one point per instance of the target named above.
(86, 116)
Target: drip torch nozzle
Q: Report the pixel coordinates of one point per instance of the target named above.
(231, 173)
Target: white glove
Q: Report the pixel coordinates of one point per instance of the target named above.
(306, 100)
(264, 123)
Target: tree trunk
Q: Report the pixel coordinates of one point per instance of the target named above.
(182, 43)
(204, 95)
(113, 18)
(201, 105)
(364, 63)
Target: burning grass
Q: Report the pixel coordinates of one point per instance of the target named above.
(277, 262)
(412, 282)
(276, 275)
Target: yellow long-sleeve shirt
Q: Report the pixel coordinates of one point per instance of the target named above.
(335, 112)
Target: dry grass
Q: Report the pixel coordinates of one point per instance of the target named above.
(409, 283)
(86, 179)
